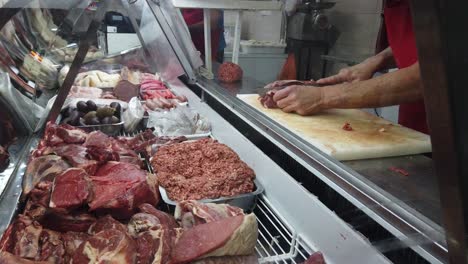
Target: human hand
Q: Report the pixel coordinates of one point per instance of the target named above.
(303, 100)
(360, 72)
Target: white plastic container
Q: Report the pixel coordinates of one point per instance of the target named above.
(262, 47)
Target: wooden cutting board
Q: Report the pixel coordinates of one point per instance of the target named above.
(371, 137)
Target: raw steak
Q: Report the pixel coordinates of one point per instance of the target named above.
(76, 222)
(154, 246)
(62, 134)
(52, 248)
(72, 241)
(125, 90)
(228, 237)
(44, 168)
(8, 258)
(119, 188)
(192, 213)
(165, 219)
(109, 246)
(71, 189)
(106, 223)
(76, 155)
(141, 222)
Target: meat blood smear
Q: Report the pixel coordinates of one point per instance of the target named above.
(202, 169)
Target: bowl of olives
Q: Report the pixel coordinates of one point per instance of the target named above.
(89, 116)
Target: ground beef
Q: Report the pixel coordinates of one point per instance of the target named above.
(203, 169)
(230, 72)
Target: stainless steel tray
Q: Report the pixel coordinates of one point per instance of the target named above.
(246, 201)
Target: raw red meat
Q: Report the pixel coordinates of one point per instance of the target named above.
(8, 258)
(119, 188)
(72, 241)
(347, 127)
(142, 222)
(26, 238)
(4, 159)
(106, 223)
(267, 100)
(52, 248)
(61, 222)
(192, 213)
(44, 168)
(285, 83)
(125, 90)
(203, 239)
(109, 246)
(76, 155)
(154, 246)
(230, 72)
(38, 202)
(71, 189)
(165, 219)
(59, 134)
(316, 258)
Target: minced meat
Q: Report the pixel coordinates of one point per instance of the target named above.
(203, 169)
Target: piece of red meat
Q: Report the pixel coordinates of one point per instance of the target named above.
(192, 213)
(76, 155)
(203, 239)
(230, 72)
(44, 168)
(4, 159)
(61, 222)
(165, 219)
(108, 246)
(106, 223)
(62, 134)
(347, 127)
(72, 241)
(71, 189)
(52, 248)
(141, 222)
(26, 238)
(119, 188)
(154, 246)
(316, 258)
(285, 83)
(267, 100)
(125, 90)
(8, 258)
(38, 202)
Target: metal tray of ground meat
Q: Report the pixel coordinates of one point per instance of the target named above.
(246, 201)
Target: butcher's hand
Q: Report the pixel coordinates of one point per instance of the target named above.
(303, 100)
(359, 72)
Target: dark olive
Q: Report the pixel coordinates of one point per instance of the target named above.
(116, 106)
(74, 118)
(91, 105)
(115, 120)
(81, 114)
(93, 121)
(66, 120)
(66, 112)
(82, 106)
(106, 120)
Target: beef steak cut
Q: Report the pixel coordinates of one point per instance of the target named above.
(192, 213)
(109, 246)
(71, 189)
(76, 155)
(106, 223)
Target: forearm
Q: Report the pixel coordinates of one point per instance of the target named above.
(393, 88)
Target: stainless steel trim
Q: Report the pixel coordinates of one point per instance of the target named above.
(381, 208)
(229, 4)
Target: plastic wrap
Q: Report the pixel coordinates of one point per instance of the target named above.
(179, 121)
(28, 111)
(133, 115)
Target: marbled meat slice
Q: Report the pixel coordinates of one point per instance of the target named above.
(228, 237)
(119, 188)
(142, 222)
(8, 258)
(109, 246)
(52, 248)
(44, 168)
(154, 246)
(192, 213)
(72, 241)
(106, 223)
(71, 189)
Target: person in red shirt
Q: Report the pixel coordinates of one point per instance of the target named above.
(194, 20)
(354, 87)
